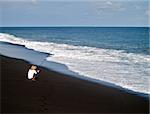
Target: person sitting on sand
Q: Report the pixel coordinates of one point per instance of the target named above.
(32, 73)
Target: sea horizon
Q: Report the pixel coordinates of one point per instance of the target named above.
(96, 48)
(91, 56)
(82, 26)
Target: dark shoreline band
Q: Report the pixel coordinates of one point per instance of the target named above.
(58, 93)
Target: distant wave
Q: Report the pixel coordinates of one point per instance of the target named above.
(128, 70)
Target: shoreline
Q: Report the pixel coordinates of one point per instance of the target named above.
(59, 93)
(63, 69)
(130, 83)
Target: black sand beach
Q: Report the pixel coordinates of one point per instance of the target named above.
(58, 93)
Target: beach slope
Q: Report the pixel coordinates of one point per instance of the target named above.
(58, 93)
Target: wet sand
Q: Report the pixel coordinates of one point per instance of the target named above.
(59, 93)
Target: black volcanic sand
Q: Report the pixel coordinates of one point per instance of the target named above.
(58, 93)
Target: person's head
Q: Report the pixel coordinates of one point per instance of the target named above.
(33, 67)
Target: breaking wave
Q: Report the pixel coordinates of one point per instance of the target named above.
(128, 70)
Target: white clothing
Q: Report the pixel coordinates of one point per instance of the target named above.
(31, 73)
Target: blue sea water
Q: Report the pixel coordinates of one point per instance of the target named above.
(130, 39)
(118, 55)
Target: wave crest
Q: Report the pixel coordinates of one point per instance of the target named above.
(128, 70)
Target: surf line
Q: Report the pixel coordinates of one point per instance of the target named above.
(43, 60)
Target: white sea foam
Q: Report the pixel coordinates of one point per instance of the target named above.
(128, 70)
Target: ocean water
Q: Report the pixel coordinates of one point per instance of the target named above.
(120, 56)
